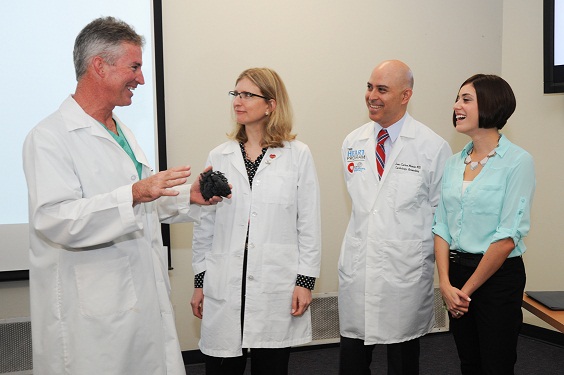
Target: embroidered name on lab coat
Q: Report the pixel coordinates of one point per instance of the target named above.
(408, 167)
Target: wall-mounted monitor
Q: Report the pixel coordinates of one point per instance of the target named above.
(553, 46)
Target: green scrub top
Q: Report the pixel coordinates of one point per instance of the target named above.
(120, 139)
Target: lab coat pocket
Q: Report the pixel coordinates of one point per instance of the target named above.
(404, 190)
(350, 254)
(279, 188)
(279, 268)
(403, 260)
(217, 273)
(105, 288)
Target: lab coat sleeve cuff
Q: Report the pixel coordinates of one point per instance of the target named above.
(178, 209)
(187, 209)
(199, 267)
(124, 196)
(308, 271)
(183, 200)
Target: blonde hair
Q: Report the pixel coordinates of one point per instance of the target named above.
(278, 127)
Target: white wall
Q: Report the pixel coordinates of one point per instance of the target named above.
(325, 51)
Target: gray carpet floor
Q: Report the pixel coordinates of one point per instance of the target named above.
(438, 357)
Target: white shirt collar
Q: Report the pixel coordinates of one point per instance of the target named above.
(393, 130)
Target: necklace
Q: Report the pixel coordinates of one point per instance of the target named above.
(474, 164)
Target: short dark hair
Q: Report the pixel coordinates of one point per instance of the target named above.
(102, 37)
(496, 101)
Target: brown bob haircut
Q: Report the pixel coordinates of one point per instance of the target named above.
(496, 101)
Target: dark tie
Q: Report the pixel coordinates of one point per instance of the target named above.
(380, 152)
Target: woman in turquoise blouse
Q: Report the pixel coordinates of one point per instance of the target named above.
(480, 223)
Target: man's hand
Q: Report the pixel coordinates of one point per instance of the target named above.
(160, 184)
(196, 194)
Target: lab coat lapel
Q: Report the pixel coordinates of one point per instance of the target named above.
(137, 151)
(272, 156)
(404, 137)
(76, 118)
(392, 156)
(98, 130)
(367, 141)
(233, 153)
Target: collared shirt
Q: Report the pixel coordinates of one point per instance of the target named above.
(496, 204)
(393, 133)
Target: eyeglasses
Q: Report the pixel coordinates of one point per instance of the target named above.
(245, 95)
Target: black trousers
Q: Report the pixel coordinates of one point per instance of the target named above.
(355, 357)
(263, 362)
(486, 336)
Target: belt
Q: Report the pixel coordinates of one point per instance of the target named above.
(465, 259)
(472, 260)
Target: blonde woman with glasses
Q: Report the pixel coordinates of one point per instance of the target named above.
(257, 256)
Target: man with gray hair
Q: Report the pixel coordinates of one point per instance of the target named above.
(98, 277)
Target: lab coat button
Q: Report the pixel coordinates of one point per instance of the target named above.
(133, 177)
(251, 277)
(251, 245)
(254, 214)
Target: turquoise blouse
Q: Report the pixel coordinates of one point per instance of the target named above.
(496, 204)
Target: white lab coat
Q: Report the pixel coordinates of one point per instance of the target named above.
(98, 276)
(283, 215)
(386, 264)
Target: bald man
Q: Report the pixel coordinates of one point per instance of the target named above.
(393, 167)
